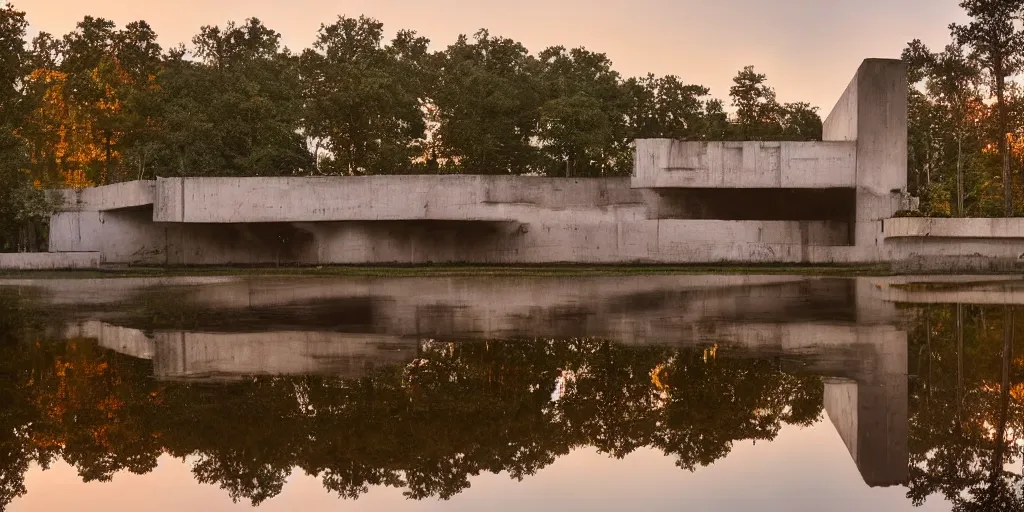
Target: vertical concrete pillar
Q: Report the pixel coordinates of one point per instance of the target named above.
(873, 112)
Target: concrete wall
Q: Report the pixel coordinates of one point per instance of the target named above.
(962, 228)
(407, 198)
(109, 197)
(130, 238)
(952, 244)
(49, 260)
(873, 112)
(577, 221)
(75, 231)
(662, 163)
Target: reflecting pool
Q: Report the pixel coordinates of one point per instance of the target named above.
(699, 392)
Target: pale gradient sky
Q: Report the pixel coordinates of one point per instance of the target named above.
(808, 48)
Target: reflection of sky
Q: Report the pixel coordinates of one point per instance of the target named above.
(802, 470)
(808, 48)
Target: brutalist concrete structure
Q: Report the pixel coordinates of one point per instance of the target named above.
(830, 201)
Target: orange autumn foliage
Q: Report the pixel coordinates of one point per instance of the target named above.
(74, 142)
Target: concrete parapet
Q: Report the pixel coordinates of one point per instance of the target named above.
(960, 228)
(49, 260)
(383, 198)
(128, 194)
(666, 163)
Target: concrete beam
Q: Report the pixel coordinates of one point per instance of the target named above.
(960, 228)
(384, 198)
(666, 163)
(129, 194)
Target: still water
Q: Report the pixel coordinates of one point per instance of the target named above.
(512, 393)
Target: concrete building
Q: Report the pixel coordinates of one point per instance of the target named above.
(831, 201)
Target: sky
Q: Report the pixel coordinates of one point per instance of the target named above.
(802, 470)
(809, 49)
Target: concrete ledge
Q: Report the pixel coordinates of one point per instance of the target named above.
(666, 163)
(384, 198)
(910, 227)
(49, 260)
(129, 194)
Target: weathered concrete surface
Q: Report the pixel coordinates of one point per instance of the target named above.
(76, 231)
(667, 163)
(959, 228)
(129, 194)
(129, 237)
(49, 260)
(405, 198)
(873, 113)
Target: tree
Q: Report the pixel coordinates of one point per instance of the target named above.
(235, 112)
(363, 100)
(759, 116)
(666, 107)
(488, 98)
(583, 113)
(22, 207)
(997, 45)
(756, 108)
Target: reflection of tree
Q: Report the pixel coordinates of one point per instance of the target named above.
(458, 410)
(967, 407)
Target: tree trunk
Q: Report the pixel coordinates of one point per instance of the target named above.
(106, 164)
(1003, 146)
(959, 176)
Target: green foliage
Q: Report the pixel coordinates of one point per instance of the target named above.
(760, 117)
(363, 100)
(22, 207)
(488, 97)
(235, 112)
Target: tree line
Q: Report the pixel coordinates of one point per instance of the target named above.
(103, 104)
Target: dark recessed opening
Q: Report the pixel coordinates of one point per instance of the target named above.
(754, 204)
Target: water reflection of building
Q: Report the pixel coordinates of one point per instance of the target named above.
(845, 330)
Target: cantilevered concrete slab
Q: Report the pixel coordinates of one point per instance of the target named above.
(666, 163)
(394, 198)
